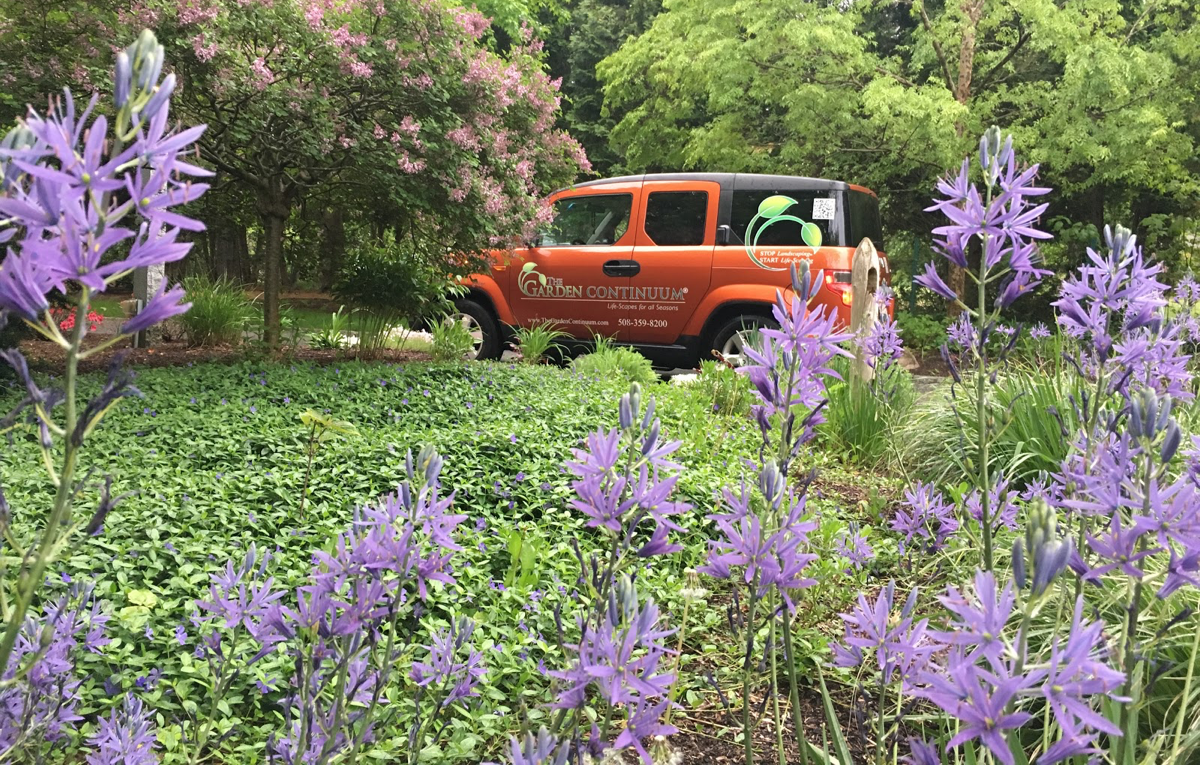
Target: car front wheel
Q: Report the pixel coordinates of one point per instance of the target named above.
(735, 335)
(482, 326)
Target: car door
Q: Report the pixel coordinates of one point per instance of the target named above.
(674, 253)
(576, 277)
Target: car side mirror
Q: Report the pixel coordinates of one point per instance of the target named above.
(723, 235)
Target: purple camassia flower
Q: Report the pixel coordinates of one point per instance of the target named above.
(1154, 357)
(124, 738)
(624, 482)
(979, 700)
(928, 515)
(621, 658)
(44, 703)
(1004, 224)
(802, 347)
(1039, 331)
(1188, 290)
(543, 750)
(978, 622)
(620, 661)
(1076, 671)
(921, 753)
(1003, 510)
(852, 545)
(882, 345)
(444, 669)
(770, 558)
(70, 217)
(961, 332)
(1117, 290)
(893, 640)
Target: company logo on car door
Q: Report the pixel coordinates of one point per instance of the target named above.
(537, 285)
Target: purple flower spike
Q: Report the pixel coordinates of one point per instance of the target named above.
(125, 737)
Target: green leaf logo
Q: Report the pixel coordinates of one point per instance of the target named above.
(811, 233)
(529, 266)
(774, 206)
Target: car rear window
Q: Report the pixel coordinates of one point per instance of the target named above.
(588, 220)
(677, 218)
(819, 207)
(863, 219)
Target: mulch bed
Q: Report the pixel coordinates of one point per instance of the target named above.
(48, 357)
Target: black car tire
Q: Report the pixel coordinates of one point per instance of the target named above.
(723, 337)
(490, 347)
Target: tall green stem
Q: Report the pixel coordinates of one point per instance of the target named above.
(1187, 692)
(748, 740)
(789, 656)
(981, 423)
(28, 581)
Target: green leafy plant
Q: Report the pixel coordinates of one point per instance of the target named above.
(452, 339)
(535, 342)
(220, 311)
(730, 392)
(333, 335)
(923, 334)
(321, 428)
(616, 362)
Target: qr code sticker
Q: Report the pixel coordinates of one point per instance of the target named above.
(823, 209)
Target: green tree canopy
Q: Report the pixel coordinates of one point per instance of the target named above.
(891, 95)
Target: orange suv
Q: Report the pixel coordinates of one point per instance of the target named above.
(678, 265)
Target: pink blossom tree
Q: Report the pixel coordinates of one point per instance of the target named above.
(400, 104)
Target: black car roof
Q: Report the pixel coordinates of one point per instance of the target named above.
(749, 181)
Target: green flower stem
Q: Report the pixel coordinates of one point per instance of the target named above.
(747, 739)
(789, 656)
(775, 687)
(1129, 658)
(981, 423)
(879, 731)
(1187, 690)
(29, 581)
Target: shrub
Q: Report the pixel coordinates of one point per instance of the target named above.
(393, 283)
(608, 361)
(333, 335)
(220, 311)
(922, 334)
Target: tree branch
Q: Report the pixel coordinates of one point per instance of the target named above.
(937, 48)
(1022, 38)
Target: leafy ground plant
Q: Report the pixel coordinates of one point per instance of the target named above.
(611, 361)
(535, 342)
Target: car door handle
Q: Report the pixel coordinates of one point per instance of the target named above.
(622, 267)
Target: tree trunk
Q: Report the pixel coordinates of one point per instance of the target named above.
(333, 224)
(228, 250)
(274, 207)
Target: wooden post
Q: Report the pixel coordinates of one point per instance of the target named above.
(865, 269)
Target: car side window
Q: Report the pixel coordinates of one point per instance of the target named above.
(591, 220)
(677, 218)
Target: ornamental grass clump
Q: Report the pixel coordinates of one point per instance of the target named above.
(83, 201)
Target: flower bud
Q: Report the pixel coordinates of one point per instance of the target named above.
(162, 94)
(625, 413)
(1170, 443)
(649, 416)
(122, 80)
(1018, 563)
(1120, 241)
(771, 482)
